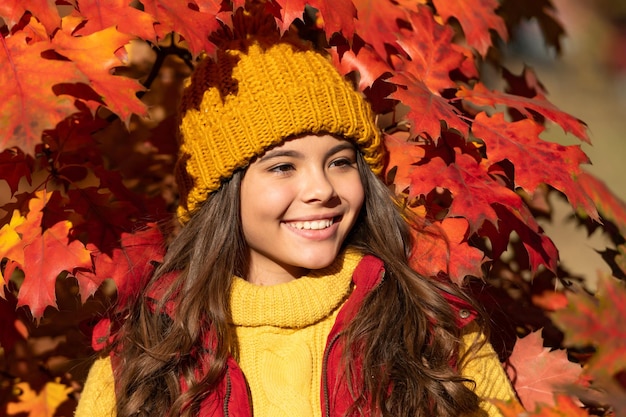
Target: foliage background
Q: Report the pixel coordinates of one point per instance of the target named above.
(44, 361)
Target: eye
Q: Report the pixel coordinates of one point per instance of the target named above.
(282, 168)
(342, 162)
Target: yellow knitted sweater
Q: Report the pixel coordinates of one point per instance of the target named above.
(281, 332)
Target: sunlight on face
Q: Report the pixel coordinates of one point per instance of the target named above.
(299, 201)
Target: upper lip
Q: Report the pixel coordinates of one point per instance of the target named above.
(313, 218)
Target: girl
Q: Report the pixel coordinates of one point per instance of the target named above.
(288, 290)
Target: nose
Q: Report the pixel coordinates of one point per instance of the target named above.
(317, 186)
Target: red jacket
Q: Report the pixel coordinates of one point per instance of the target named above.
(231, 396)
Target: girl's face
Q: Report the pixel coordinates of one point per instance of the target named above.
(299, 201)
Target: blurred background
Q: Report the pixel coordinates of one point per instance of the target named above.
(588, 80)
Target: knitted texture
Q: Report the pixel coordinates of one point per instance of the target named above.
(282, 332)
(246, 101)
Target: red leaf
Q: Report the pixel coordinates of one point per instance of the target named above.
(377, 23)
(338, 16)
(15, 165)
(403, 154)
(432, 52)
(476, 17)
(597, 321)
(564, 407)
(482, 96)
(536, 161)
(44, 259)
(538, 373)
(94, 56)
(426, 109)
(612, 207)
(177, 16)
(27, 87)
(442, 247)
(44, 10)
(130, 265)
(474, 190)
(369, 65)
(102, 14)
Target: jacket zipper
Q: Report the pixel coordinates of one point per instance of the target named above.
(325, 376)
(227, 395)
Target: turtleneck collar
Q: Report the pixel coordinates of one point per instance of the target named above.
(297, 303)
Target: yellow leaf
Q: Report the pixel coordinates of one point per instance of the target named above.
(42, 404)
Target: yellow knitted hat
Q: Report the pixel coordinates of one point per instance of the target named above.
(242, 103)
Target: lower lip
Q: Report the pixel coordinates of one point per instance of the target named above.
(315, 234)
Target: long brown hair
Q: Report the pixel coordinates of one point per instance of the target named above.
(404, 335)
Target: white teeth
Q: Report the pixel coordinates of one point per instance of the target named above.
(311, 225)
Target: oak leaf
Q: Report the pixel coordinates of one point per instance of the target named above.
(538, 372)
(94, 56)
(597, 321)
(15, 165)
(28, 87)
(102, 14)
(477, 18)
(610, 206)
(44, 10)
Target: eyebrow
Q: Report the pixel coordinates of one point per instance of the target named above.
(277, 153)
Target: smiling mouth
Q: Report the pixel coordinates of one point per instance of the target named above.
(311, 225)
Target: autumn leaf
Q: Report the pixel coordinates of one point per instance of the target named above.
(28, 87)
(443, 248)
(377, 23)
(564, 406)
(131, 264)
(94, 56)
(42, 403)
(538, 372)
(177, 16)
(15, 165)
(44, 10)
(536, 161)
(11, 246)
(597, 321)
(477, 18)
(103, 14)
(427, 110)
(474, 190)
(338, 16)
(44, 259)
(366, 61)
(432, 52)
(480, 95)
(610, 206)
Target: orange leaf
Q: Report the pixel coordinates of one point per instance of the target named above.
(564, 407)
(44, 10)
(44, 403)
(27, 79)
(477, 18)
(377, 22)
(611, 206)
(44, 259)
(94, 56)
(338, 16)
(538, 373)
(177, 16)
(432, 52)
(99, 15)
(597, 321)
(443, 248)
